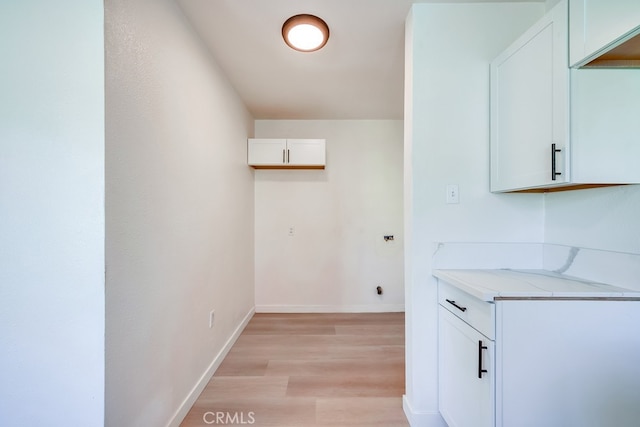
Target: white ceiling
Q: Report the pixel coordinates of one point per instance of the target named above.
(359, 74)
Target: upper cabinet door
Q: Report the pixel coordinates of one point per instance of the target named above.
(599, 25)
(309, 152)
(529, 107)
(266, 152)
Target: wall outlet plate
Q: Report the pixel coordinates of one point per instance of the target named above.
(453, 195)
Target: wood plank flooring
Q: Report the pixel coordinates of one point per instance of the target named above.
(297, 370)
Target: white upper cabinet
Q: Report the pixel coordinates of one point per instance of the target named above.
(268, 153)
(309, 152)
(530, 108)
(600, 25)
(553, 127)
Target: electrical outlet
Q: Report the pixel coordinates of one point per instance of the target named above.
(292, 230)
(452, 193)
(212, 318)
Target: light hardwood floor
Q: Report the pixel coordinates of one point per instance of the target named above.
(296, 370)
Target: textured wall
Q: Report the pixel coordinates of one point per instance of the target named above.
(179, 212)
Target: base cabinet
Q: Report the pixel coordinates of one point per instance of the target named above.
(466, 392)
(552, 362)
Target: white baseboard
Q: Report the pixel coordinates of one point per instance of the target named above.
(377, 308)
(191, 398)
(421, 419)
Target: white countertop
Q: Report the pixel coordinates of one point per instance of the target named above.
(489, 285)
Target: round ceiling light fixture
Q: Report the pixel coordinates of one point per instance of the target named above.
(305, 33)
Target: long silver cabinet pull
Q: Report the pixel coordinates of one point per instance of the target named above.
(288, 158)
(283, 161)
(453, 303)
(554, 150)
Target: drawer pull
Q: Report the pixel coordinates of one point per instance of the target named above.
(480, 348)
(453, 303)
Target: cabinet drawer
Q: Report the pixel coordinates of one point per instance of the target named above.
(477, 313)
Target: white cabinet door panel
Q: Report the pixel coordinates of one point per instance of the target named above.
(268, 152)
(524, 119)
(464, 399)
(306, 152)
(529, 107)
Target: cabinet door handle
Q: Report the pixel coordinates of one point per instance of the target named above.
(554, 150)
(288, 159)
(480, 348)
(453, 303)
(283, 158)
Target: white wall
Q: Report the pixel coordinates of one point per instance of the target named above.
(179, 213)
(337, 255)
(448, 53)
(51, 213)
(600, 218)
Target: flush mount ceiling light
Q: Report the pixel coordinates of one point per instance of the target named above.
(305, 33)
